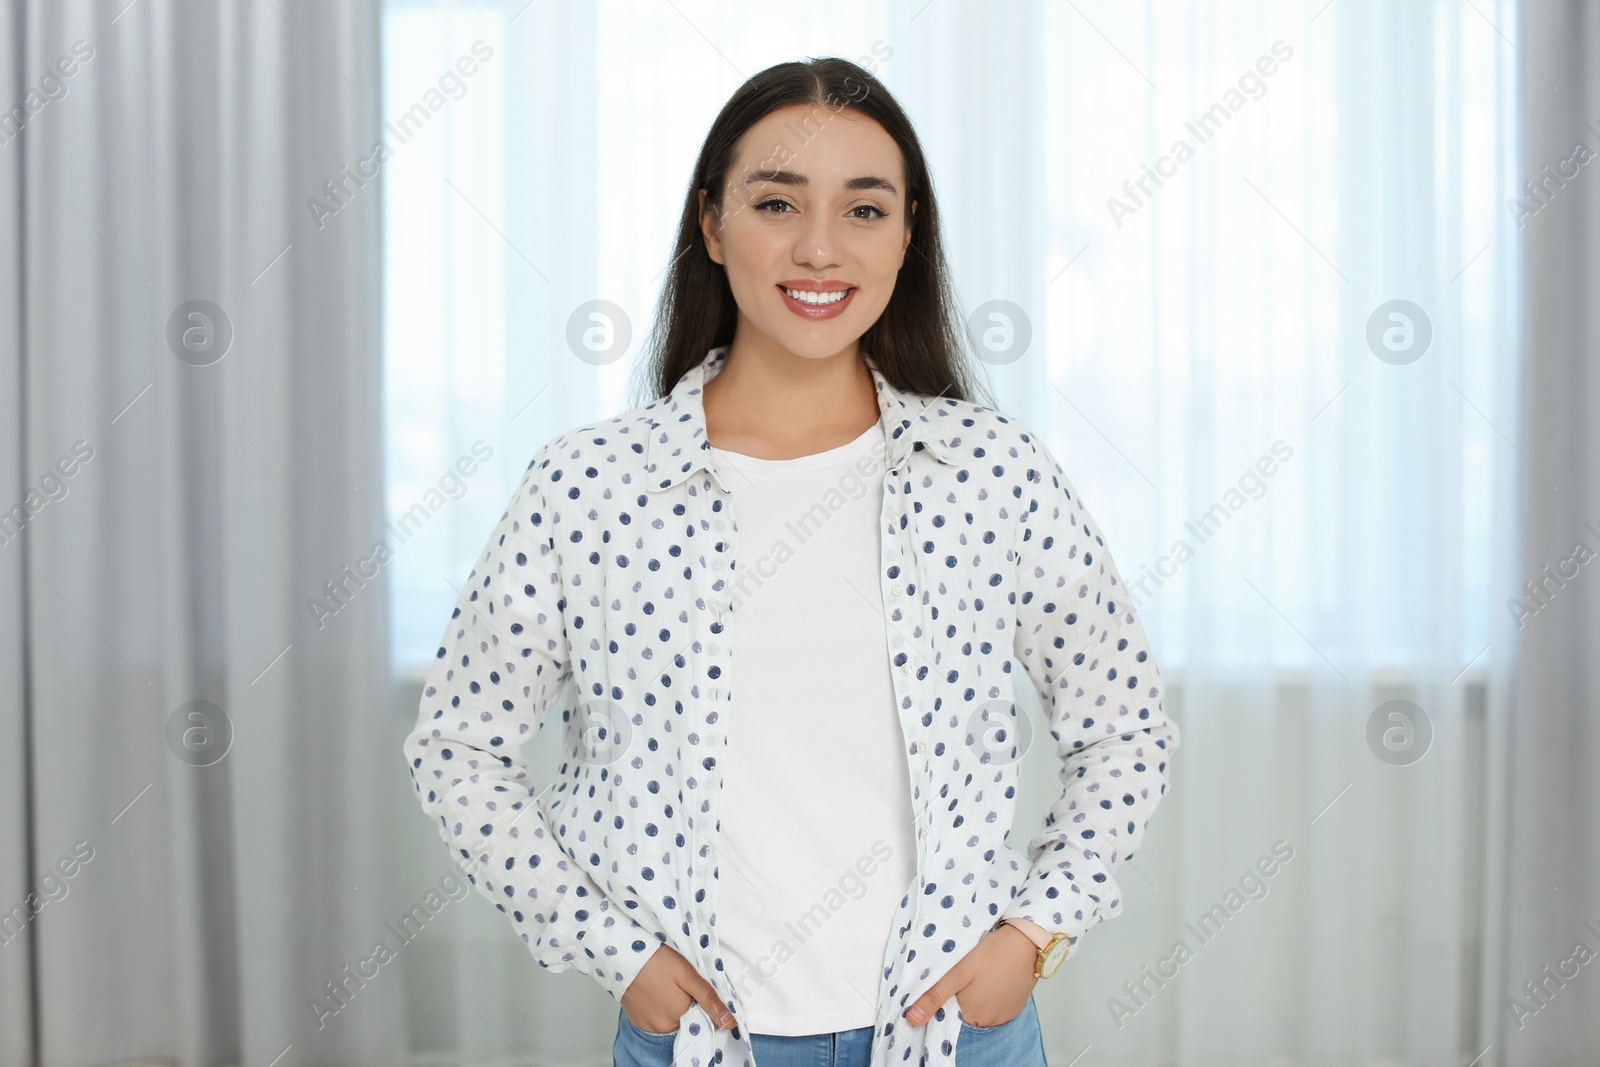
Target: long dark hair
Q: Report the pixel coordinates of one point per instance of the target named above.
(919, 343)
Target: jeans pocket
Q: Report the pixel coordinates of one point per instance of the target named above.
(1015, 1043)
(969, 1028)
(649, 1035)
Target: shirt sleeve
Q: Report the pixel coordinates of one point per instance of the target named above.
(503, 660)
(1083, 648)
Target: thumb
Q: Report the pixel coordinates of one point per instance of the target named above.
(923, 1007)
(705, 995)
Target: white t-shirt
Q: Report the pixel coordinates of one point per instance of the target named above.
(817, 840)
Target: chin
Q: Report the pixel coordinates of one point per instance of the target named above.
(818, 340)
(815, 346)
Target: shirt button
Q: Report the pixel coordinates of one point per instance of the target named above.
(894, 590)
(905, 668)
(712, 693)
(922, 832)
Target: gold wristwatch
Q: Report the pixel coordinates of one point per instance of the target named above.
(1052, 952)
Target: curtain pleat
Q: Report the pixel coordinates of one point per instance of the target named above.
(208, 757)
(16, 873)
(1547, 989)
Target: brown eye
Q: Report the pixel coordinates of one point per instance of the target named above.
(882, 214)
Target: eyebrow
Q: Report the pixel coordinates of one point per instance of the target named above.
(789, 177)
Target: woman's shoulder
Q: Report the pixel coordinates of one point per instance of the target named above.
(974, 432)
(615, 443)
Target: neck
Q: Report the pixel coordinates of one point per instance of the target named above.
(769, 402)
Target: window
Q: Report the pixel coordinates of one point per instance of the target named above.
(1197, 315)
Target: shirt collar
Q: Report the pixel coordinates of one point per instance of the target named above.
(677, 445)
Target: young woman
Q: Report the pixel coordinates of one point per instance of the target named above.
(788, 593)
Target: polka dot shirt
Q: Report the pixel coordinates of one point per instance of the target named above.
(613, 572)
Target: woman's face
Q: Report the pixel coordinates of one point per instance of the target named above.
(814, 201)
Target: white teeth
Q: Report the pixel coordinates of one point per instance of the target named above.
(807, 297)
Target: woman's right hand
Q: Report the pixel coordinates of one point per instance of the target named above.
(663, 990)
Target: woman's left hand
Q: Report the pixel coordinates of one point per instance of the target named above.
(991, 983)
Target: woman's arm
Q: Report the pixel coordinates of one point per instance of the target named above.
(502, 662)
(1086, 653)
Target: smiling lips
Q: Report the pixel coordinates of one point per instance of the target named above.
(816, 300)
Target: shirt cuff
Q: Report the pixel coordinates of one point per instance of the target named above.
(624, 947)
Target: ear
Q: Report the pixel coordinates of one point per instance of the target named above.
(905, 244)
(709, 229)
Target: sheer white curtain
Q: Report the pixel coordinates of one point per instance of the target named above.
(1308, 483)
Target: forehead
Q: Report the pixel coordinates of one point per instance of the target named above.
(827, 146)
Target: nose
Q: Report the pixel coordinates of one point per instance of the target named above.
(816, 245)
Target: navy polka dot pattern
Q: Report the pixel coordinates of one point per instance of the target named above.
(613, 570)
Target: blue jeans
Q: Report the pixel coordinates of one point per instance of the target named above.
(1018, 1043)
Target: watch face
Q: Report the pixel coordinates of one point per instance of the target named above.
(1056, 953)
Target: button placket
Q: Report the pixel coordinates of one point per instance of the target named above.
(719, 653)
(899, 555)
(724, 528)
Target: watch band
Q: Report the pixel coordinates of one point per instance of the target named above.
(1036, 933)
(1052, 939)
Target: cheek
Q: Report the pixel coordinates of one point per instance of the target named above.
(749, 253)
(880, 258)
